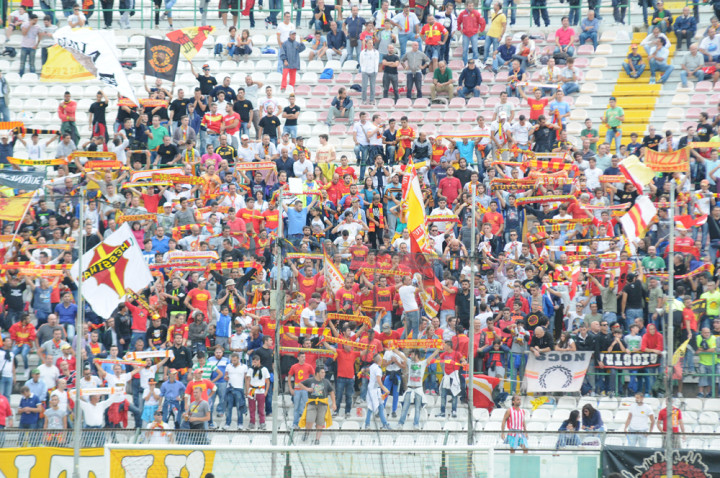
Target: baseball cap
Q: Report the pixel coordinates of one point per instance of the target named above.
(229, 282)
(244, 137)
(206, 66)
(173, 371)
(300, 138)
(34, 371)
(612, 98)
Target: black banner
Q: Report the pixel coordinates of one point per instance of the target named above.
(161, 58)
(26, 180)
(632, 462)
(629, 360)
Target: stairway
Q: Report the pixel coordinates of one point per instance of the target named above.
(636, 96)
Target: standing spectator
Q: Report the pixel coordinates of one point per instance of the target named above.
(320, 392)
(29, 410)
(514, 422)
(414, 62)
(352, 28)
(442, 82)
(6, 417)
(390, 64)
(469, 81)
(408, 27)
(283, 33)
(7, 368)
(539, 7)
(290, 56)
(29, 43)
(565, 39)
(374, 388)
(96, 116)
(678, 426)
(495, 32)
(341, 106)
(685, 27)
(634, 65)
(706, 345)
(658, 60)
(4, 99)
(66, 112)
(369, 63)
(257, 382)
(434, 35)
(23, 336)
(641, 419)
(619, 9)
(449, 21)
(589, 29)
(198, 416)
(613, 118)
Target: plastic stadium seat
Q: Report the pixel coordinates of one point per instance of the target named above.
(583, 101)
(457, 103)
(551, 38)
(433, 116)
(608, 36)
(475, 103)
(22, 91)
(302, 90)
(264, 65)
(260, 40)
(681, 99)
(541, 415)
(502, 77)
(429, 129)
(574, 128)
(585, 50)
(487, 77)
(468, 117)
(679, 113)
(456, 65)
(594, 75)
(386, 103)
(708, 418)
(604, 50)
(343, 78)
(582, 62)
(703, 87)
(31, 104)
(599, 62)
(698, 99)
(350, 66)
(714, 99)
(404, 103)
(444, 128)
(712, 404)
(320, 91)
(451, 117)
(334, 64)
(578, 114)
(588, 88)
(416, 117)
(495, 90)
(673, 126)
(316, 66)
(421, 104)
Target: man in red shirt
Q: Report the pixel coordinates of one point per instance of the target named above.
(495, 219)
(213, 121)
(451, 382)
(677, 424)
(298, 373)
(231, 124)
(434, 35)
(450, 187)
(384, 294)
(307, 282)
(271, 217)
(345, 296)
(537, 104)
(198, 299)
(344, 169)
(345, 380)
(470, 23)
(207, 387)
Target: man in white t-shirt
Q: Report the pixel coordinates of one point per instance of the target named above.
(307, 316)
(235, 374)
(374, 390)
(442, 210)
(414, 394)
(49, 373)
(411, 311)
(640, 420)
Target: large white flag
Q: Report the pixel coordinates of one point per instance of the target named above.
(93, 51)
(109, 269)
(556, 371)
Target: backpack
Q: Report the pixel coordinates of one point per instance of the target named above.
(9, 51)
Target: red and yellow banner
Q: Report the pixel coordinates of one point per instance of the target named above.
(676, 161)
(37, 162)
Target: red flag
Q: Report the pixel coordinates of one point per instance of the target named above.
(483, 387)
(688, 221)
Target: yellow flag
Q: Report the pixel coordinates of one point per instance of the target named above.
(61, 66)
(680, 352)
(13, 208)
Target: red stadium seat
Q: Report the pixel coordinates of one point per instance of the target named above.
(421, 103)
(451, 116)
(433, 116)
(698, 99)
(476, 103)
(416, 117)
(703, 87)
(457, 103)
(404, 103)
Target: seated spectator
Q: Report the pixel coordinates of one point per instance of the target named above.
(569, 77)
(658, 60)
(470, 80)
(661, 18)
(503, 56)
(634, 65)
(685, 28)
(570, 426)
(525, 52)
(336, 40)
(318, 46)
(341, 106)
(515, 76)
(442, 82)
(652, 37)
(591, 419)
(710, 46)
(589, 29)
(550, 75)
(692, 65)
(564, 39)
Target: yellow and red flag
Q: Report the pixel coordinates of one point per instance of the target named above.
(62, 67)
(638, 220)
(191, 39)
(13, 208)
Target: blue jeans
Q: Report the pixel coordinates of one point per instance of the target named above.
(219, 395)
(353, 52)
(664, 68)
(615, 134)
(638, 70)
(381, 412)
(491, 44)
(703, 230)
(434, 51)
(27, 54)
(470, 41)
(498, 63)
(443, 397)
(268, 396)
(648, 379)
(592, 36)
(291, 130)
(300, 398)
(413, 79)
(699, 76)
(383, 319)
(511, 4)
(392, 382)
(570, 88)
(361, 154)
(574, 15)
(570, 51)
(234, 398)
(344, 386)
(411, 398)
(174, 408)
(274, 6)
(6, 384)
(412, 322)
(23, 350)
(632, 314)
(431, 382)
(404, 38)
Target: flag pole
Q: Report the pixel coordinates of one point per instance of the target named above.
(79, 319)
(279, 313)
(669, 332)
(19, 223)
(471, 328)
